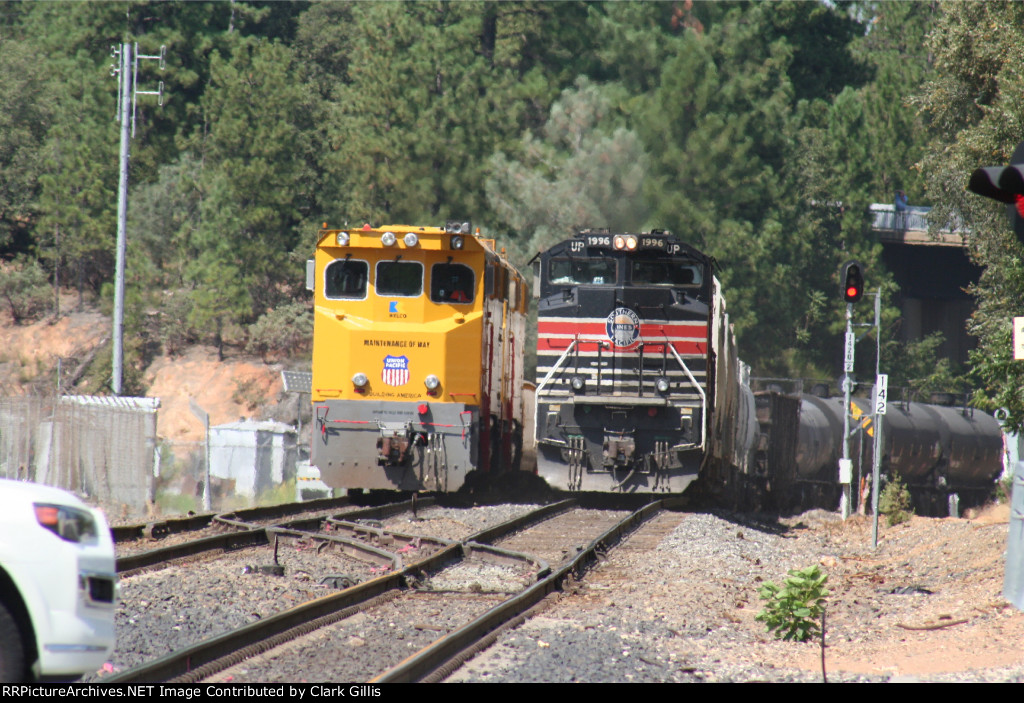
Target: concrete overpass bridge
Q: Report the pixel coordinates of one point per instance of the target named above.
(933, 273)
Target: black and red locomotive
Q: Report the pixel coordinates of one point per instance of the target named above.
(638, 384)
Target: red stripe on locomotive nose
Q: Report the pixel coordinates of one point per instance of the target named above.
(592, 329)
(562, 343)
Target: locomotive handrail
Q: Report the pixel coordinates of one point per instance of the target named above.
(555, 368)
(703, 396)
(537, 392)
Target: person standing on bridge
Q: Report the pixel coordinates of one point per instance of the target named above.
(901, 210)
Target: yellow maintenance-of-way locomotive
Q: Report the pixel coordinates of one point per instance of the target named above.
(417, 357)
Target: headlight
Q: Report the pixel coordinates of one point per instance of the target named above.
(456, 227)
(360, 379)
(70, 524)
(388, 239)
(577, 383)
(622, 241)
(662, 384)
(456, 242)
(432, 382)
(343, 239)
(410, 239)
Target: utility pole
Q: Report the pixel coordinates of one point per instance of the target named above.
(126, 70)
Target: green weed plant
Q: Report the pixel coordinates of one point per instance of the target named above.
(793, 611)
(894, 502)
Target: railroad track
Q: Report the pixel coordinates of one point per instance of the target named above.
(181, 537)
(406, 623)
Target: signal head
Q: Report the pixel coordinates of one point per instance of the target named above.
(852, 281)
(1005, 184)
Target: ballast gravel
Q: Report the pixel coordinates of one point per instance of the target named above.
(677, 603)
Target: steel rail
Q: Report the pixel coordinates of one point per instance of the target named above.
(224, 542)
(247, 534)
(127, 533)
(450, 647)
(205, 658)
(360, 551)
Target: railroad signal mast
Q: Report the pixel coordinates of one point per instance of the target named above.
(851, 281)
(851, 288)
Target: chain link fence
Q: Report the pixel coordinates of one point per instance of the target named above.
(102, 448)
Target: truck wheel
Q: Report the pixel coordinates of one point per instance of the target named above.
(12, 651)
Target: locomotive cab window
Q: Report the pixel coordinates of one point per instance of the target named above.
(664, 273)
(582, 271)
(399, 278)
(452, 283)
(346, 279)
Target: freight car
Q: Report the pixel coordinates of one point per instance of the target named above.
(945, 455)
(417, 357)
(639, 387)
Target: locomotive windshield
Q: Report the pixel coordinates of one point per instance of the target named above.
(346, 278)
(451, 283)
(399, 278)
(583, 271)
(664, 273)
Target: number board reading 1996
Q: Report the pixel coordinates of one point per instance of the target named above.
(603, 240)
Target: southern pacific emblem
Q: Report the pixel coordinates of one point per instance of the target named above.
(396, 370)
(623, 327)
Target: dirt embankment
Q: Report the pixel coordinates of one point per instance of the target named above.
(238, 387)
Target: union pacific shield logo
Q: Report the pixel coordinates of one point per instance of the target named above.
(622, 327)
(396, 370)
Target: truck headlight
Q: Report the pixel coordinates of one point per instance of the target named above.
(70, 524)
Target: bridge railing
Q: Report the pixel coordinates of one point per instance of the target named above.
(915, 217)
(911, 226)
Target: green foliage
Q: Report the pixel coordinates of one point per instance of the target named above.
(1004, 489)
(425, 93)
(97, 378)
(972, 105)
(24, 290)
(918, 367)
(587, 171)
(285, 332)
(22, 131)
(758, 132)
(177, 503)
(894, 501)
(793, 610)
(255, 148)
(278, 495)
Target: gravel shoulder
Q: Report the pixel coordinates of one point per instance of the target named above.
(679, 602)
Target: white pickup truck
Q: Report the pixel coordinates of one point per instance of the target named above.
(58, 584)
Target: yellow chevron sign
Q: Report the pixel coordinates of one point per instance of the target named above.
(865, 420)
